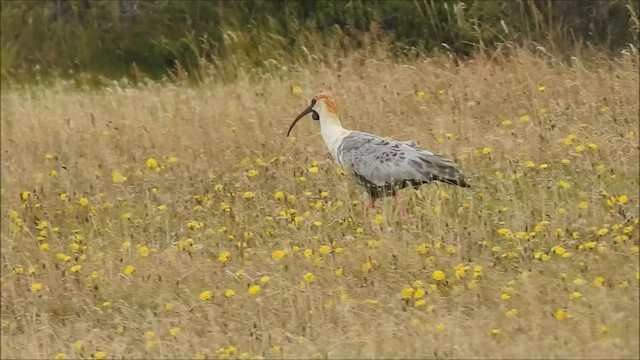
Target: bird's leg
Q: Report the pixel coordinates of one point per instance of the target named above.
(403, 211)
(368, 205)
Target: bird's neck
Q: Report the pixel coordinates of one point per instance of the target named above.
(332, 132)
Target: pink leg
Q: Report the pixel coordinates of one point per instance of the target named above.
(403, 211)
(369, 205)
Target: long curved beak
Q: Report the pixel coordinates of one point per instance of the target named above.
(302, 114)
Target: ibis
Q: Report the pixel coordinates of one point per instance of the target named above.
(382, 166)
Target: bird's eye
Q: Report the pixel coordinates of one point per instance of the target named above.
(315, 116)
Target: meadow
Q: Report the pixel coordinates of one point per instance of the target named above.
(169, 220)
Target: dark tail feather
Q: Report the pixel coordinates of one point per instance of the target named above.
(457, 182)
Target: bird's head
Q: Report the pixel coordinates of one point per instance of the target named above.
(322, 105)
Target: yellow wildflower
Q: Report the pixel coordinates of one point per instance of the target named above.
(423, 249)
(559, 250)
(25, 195)
(308, 277)
(598, 281)
(564, 184)
(174, 331)
(578, 282)
(117, 177)
(143, 251)
(561, 314)
(78, 346)
(276, 350)
(575, 295)
(128, 270)
(172, 159)
(224, 256)
(247, 195)
(407, 293)
(151, 163)
(477, 271)
(36, 287)
(205, 295)
(278, 254)
(254, 290)
(438, 275)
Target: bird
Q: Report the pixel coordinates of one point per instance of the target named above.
(383, 166)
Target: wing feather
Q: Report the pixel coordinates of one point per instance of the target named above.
(382, 161)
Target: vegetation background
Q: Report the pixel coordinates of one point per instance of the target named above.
(131, 37)
(152, 206)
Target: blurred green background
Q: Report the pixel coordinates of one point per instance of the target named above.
(110, 39)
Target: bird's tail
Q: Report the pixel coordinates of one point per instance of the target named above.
(437, 168)
(454, 181)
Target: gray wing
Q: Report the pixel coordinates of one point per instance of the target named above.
(383, 161)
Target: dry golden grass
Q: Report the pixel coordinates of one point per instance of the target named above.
(539, 257)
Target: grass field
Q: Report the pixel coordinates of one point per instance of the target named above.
(166, 220)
